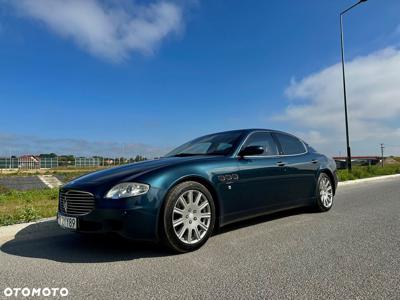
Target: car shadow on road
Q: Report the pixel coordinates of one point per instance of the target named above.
(46, 240)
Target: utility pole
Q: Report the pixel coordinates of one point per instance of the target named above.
(382, 147)
(344, 83)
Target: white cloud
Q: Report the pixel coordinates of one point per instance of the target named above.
(316, 104)
(108, 29)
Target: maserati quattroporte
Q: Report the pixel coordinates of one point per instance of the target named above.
(206, 183)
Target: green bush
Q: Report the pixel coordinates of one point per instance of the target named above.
(28, 214)
(7, 220)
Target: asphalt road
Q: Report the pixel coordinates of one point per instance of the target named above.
(351, 252)
(22, 183)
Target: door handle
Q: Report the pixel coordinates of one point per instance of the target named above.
(315, 161)
(281, 164)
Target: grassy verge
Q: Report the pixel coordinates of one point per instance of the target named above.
(26, 206)
(359, 172)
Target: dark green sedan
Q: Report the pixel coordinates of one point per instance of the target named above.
(206, 183)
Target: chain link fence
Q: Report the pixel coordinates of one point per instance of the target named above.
(35, 162)
(8, 163)
(83, 162)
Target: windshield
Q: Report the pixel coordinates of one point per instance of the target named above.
(214, 144)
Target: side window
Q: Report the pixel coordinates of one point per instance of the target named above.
(290, 145)
(263, 139)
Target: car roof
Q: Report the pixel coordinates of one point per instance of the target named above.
(249, 130)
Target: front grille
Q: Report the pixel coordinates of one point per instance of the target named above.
(76, 203)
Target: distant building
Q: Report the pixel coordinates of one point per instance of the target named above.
(29, 162)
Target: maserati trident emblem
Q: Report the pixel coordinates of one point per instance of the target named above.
(65, 204)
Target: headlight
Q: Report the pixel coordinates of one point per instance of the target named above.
(127, 189)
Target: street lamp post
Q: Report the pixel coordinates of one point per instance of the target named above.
(344, 83)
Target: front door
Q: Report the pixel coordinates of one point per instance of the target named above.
(260, 176)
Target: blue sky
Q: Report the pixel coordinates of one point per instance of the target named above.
(111, 77)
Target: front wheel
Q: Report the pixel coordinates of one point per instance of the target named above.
(324, 193)
(189, 216)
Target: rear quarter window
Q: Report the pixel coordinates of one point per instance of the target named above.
(290, 144)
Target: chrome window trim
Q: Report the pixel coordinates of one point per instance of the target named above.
(236, 154)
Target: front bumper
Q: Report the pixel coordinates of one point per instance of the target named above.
(136, 223)
(133, 217)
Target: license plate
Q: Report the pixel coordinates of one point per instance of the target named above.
(67, 222)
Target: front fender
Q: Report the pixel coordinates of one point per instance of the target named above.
(163, 181)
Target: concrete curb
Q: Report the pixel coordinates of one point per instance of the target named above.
(8, 232)
(365, 180)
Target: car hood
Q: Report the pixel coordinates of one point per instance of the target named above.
(129, 171)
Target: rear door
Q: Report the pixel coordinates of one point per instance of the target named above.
(299, 168)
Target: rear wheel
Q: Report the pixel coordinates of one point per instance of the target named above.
(324, 193)
(189, 216)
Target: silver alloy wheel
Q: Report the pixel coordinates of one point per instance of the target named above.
(326, 192)
(191, 216)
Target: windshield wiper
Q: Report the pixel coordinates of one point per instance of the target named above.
(186, 154)
(196, 154)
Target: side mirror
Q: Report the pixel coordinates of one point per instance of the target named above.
(251, 150)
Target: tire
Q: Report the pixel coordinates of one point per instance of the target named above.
(188, 217)
(324, 193)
